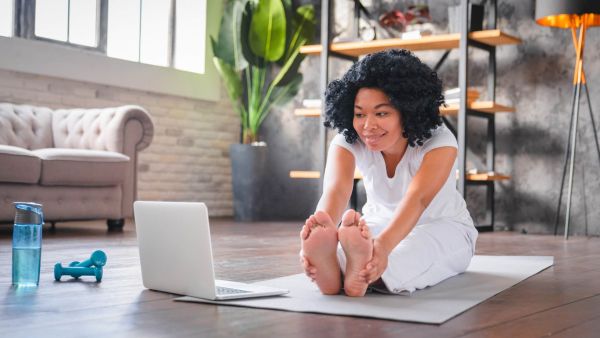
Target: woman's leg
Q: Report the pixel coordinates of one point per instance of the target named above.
(429, 254)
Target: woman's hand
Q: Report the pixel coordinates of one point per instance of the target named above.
(378, 263)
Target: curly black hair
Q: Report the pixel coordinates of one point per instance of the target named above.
(411, 86)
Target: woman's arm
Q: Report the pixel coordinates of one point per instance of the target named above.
(429, 179)
(337, 182)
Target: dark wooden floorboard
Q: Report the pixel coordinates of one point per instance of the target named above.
(562, 301)
(588, 329)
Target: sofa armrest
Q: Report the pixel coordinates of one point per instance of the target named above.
(101, 129)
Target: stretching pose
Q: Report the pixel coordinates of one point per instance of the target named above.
(415, 230)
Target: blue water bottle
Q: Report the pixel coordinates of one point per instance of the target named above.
(27, 244)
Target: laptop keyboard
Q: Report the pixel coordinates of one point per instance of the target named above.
(221, 290)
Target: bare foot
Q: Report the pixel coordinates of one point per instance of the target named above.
(319, 244)
(355, 238)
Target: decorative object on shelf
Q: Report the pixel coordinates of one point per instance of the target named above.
(257, 56)
(571, 14)
(393, 19)
(417, 14)
(452, 96)
(311, 103)
(366, 30)
(413, 23)
(475, 18)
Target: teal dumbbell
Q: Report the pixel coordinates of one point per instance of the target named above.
(76, 271)
(97, 259)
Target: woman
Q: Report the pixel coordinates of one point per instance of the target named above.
(416, 230)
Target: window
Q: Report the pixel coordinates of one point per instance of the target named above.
(168, 33)
(67, 21)
(139, 31)
(83, 22)
(190, 35)
(124, 29)
(6, 17)
(154, 32)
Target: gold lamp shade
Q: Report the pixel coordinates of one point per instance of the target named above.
(567, 13)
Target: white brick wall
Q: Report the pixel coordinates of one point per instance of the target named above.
(188, 159)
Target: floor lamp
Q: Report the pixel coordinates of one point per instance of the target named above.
(571, 14)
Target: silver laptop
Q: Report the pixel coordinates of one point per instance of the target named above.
(176, 254)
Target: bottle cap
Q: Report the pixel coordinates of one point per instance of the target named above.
(28, 213)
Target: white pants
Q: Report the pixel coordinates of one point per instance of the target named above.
(429, 254)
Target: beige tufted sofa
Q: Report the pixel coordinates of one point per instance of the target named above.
(79, 163)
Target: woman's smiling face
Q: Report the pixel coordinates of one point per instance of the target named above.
(377, 121)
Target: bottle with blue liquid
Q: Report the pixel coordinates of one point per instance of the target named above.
(27, 244)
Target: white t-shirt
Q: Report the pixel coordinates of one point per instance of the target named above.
(384, 194)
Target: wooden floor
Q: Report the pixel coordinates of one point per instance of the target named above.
(563, 301)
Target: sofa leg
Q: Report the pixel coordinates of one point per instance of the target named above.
(115, 224)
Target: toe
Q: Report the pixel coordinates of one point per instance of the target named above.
(350, 217)
(304, 232)
(365, 231)
(322, 218)
(312, 221)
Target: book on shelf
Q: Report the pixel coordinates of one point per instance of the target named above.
(454, 93)
(457, 101)
(311, 103)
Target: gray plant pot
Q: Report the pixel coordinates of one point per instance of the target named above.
(249, 170)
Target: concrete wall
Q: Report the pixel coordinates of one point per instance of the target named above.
(534, 77)
(188, 159)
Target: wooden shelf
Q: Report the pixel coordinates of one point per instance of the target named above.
(487, 177)
(481, 106)
(308, 112)
(358, 175)
(494, 37)
(442, 41)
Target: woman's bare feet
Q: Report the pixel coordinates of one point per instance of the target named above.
(355, 238)
(319, 244)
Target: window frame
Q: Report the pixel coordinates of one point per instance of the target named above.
(74, 62)
(24, 25)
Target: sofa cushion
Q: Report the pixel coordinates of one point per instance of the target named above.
(19, 165)
(25, 126)
(82, 167)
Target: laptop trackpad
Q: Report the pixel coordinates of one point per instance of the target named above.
(243, 290)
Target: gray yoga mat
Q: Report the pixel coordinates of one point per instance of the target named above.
(485, 277)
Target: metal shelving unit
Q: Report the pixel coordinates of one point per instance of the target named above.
(486, 40)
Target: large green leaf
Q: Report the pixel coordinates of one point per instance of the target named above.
(281, 95)
(292, 71)
(231, 78)
(289, 13)
(267, 30)
(228, 47)
(305, 22)
(304, 25)
(285, 93)
(245, 33)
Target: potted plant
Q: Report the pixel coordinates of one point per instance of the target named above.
(257, 55)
